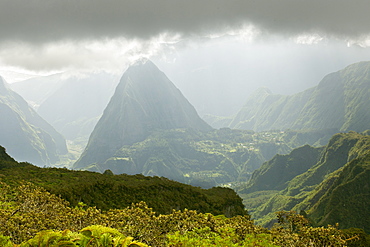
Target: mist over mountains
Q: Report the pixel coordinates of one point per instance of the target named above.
(339, 101)
(24, 133)
(279, 152)
(144, 101)
(71, 103)
(185, 123)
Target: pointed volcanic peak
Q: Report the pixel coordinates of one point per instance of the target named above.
(145, 100)
(24, 134)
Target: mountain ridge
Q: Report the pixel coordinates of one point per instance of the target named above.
(339, 101)
(72, 103)
(322, 188)
(25, 134)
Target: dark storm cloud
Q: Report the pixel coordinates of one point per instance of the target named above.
(45, 21)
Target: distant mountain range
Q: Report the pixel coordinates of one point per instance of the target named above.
(331, 184)
(341, 100)
(26, 136)
(73, 104)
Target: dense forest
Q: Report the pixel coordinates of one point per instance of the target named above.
(34, 213)
(107, 191)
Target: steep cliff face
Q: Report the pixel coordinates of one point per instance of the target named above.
(144, 101)
(330, 183)
(277, 172)
(345, 194)
(339, 101)
(24, 134)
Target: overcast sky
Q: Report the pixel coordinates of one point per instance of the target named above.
(226, 44)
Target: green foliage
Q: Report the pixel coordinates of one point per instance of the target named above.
(274, 174)
(119, 191)
(5, 241)
(52, 238)
(91, 236)
(294, 230)
(30, 217)
(26, 210)
(333, 190)
(356, 237)
(221, 237)
(4, 156)
(346, 200)
(104, 236)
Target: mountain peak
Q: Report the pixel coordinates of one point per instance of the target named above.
(145, 101)
(142, 64)
(142, 61)
(262, 91)
(3, 85)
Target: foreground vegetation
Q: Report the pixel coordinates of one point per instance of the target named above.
(31, 216)
(107, 191)
(59, 207)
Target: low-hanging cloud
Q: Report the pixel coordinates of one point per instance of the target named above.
(35, 21)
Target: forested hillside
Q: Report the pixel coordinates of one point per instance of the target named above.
(108, 191)
(331, 184)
